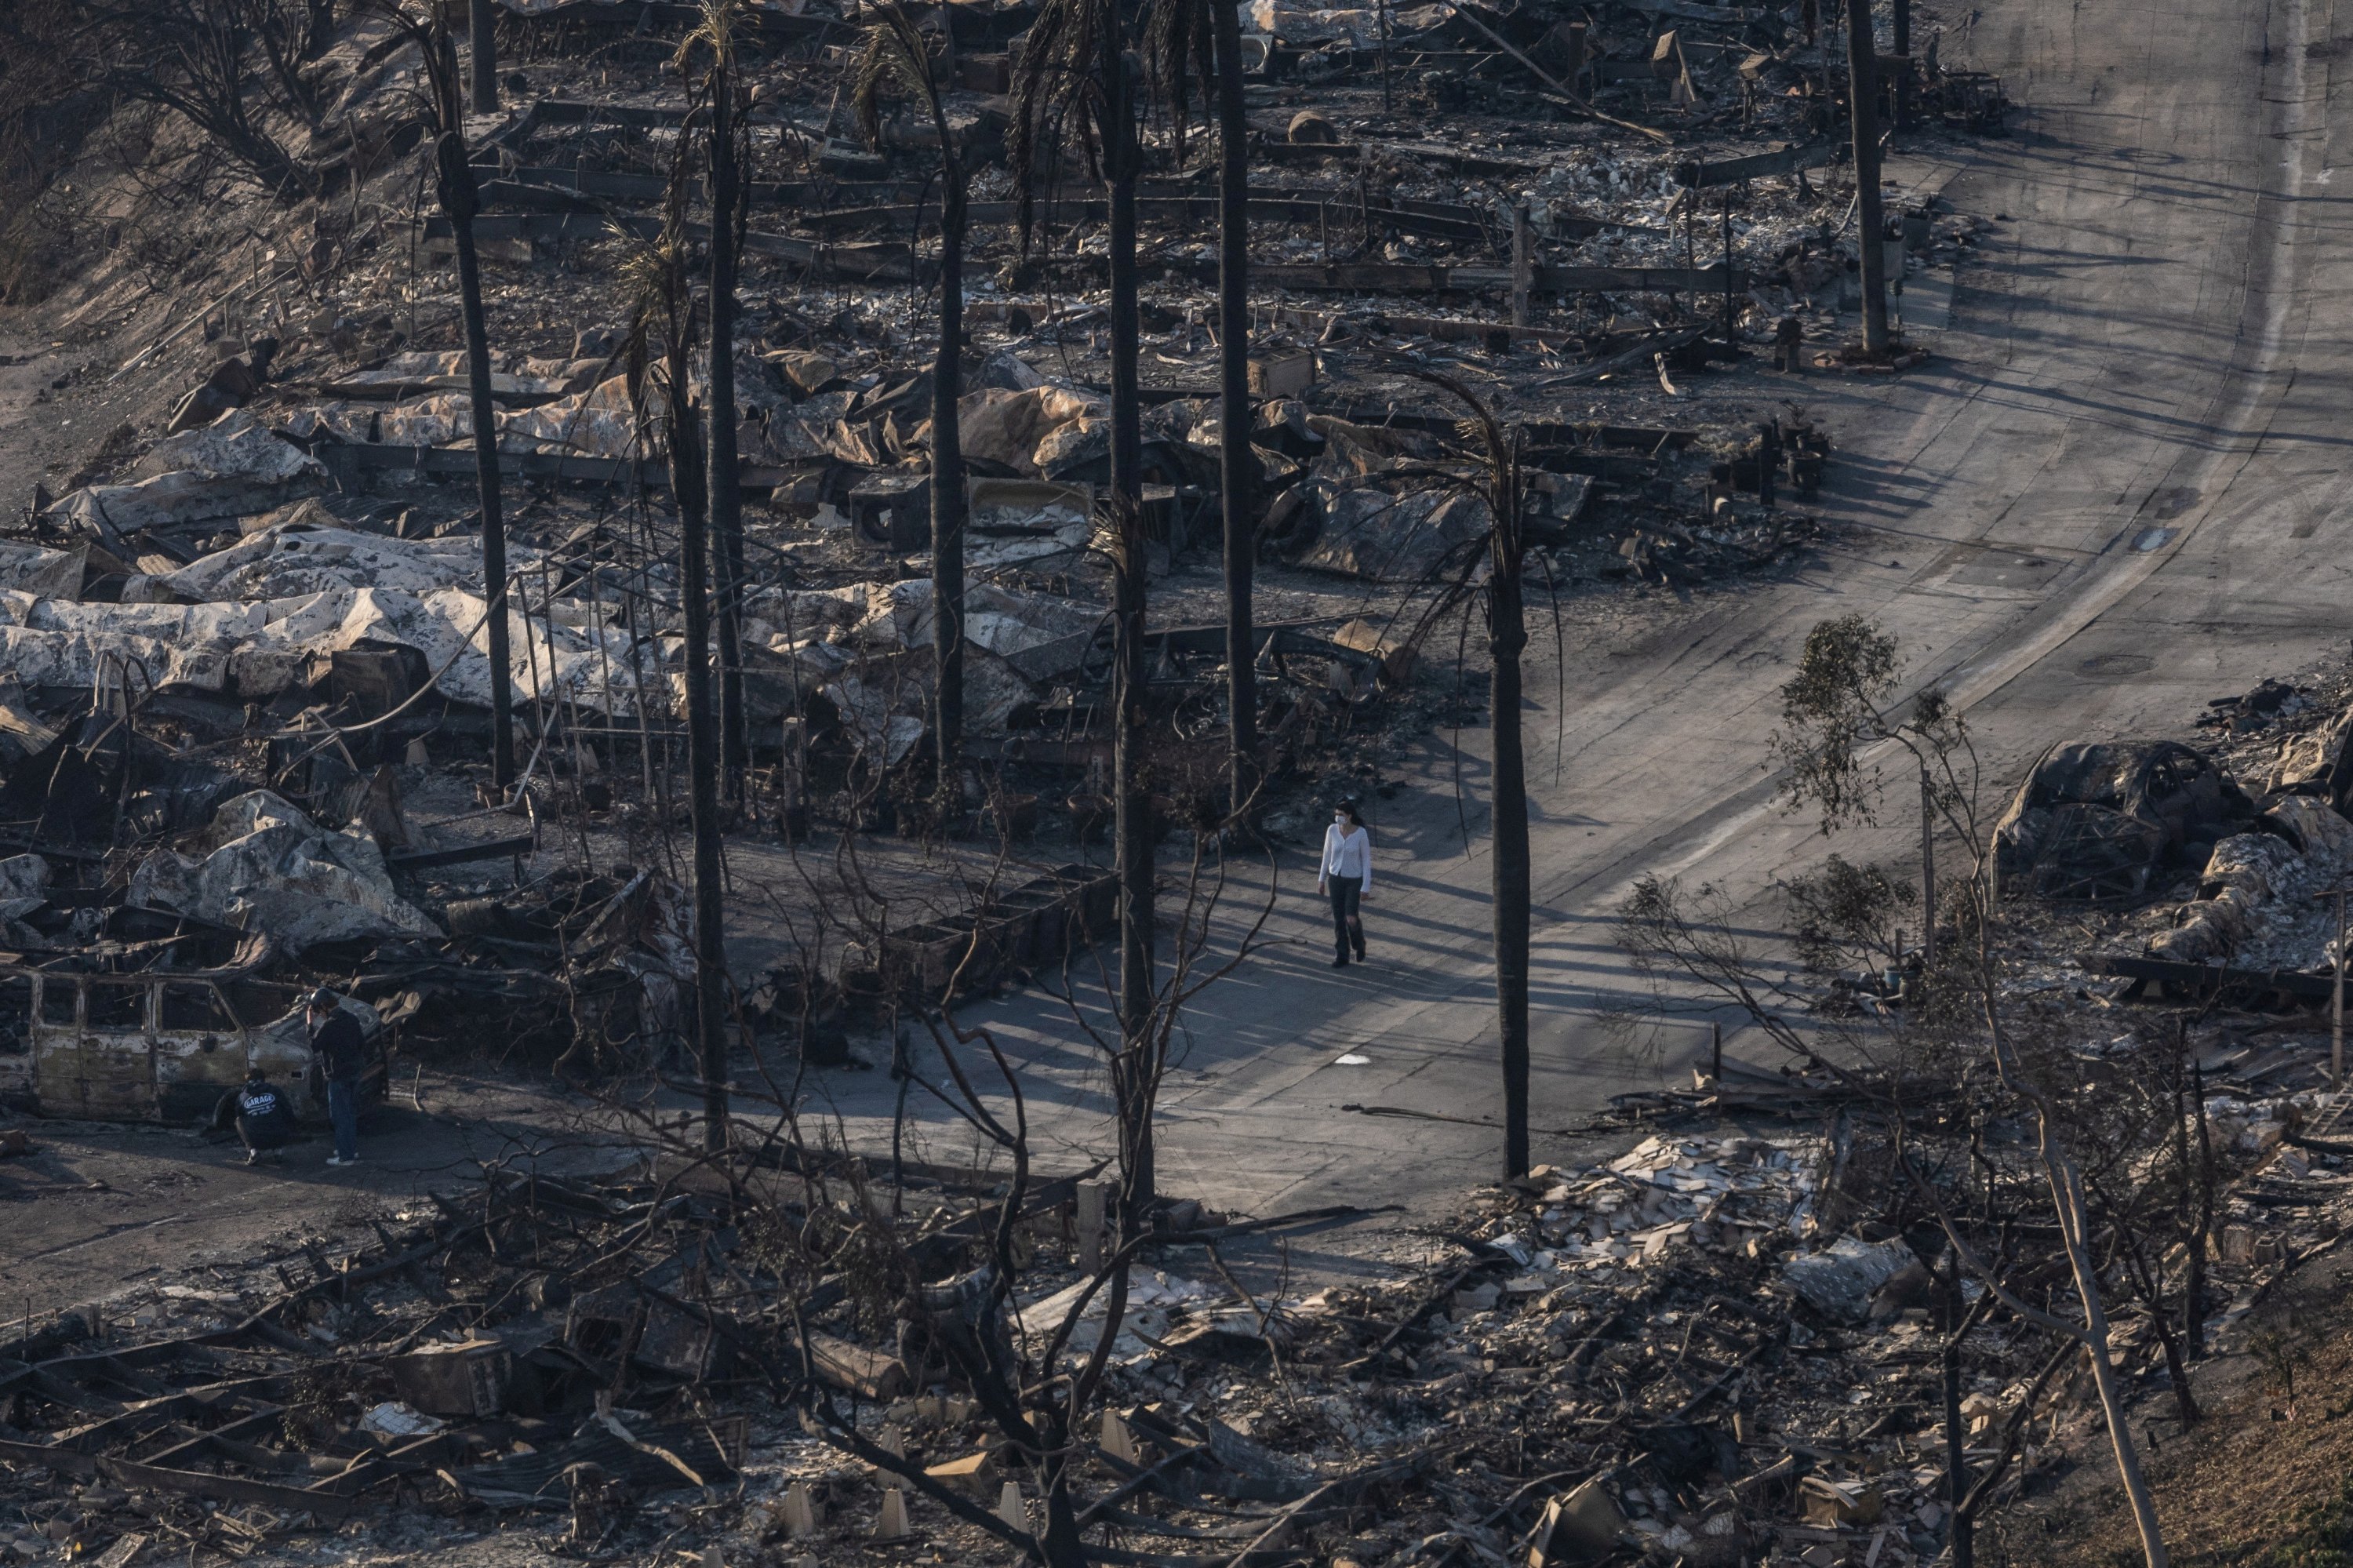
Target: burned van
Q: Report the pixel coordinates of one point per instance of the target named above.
(158, 1045)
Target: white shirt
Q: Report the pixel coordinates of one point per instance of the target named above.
(1348, 854)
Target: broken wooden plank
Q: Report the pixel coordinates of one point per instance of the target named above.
(1445, 329)
(1470, 160)
(853, 1369)
(459, 855)
(562, 467)
(1541, 432)
(2208, 980)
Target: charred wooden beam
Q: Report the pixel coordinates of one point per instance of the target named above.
(1786, 159)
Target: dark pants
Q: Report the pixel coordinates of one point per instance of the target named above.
(261, 1135)
(344, 1110)
(1347, 929)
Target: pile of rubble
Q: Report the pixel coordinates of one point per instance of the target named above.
(2209, 874)
(1711, 1347)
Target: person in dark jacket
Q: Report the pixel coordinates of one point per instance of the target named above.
(342, 1050)
(263, 1116)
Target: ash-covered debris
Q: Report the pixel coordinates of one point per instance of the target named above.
(2206, 866)
(1713, 1347)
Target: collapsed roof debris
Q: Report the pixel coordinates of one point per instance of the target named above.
(2207, 870)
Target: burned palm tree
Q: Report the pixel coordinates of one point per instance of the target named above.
(897, 56)
(712, 41)
(1185, 40)
(1504, 555)
(461, 201)
(665, 300)
(1074, 87)
(483, 24)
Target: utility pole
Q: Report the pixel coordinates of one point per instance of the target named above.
(1863, 100)
(485, 56)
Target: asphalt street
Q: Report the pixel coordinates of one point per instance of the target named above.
(2113, 494)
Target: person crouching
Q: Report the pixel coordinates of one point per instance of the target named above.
(261, 1113)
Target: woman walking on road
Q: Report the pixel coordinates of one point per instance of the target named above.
(1346, 875)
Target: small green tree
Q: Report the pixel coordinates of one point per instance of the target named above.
(1838, 709)
(1839, 705)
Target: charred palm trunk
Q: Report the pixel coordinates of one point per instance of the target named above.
(485, 51)
(1238, 464)
(948, 500)
(460, 202)
(1862, 92)
(1132, 804)
(725, 488)
(1507, 637)
(688, 474)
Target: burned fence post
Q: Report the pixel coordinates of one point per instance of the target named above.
(2337, 997)
(1957, 1464)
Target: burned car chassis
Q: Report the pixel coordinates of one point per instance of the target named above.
(159, 1045)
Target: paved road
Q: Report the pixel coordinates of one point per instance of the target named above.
(2115, 495)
